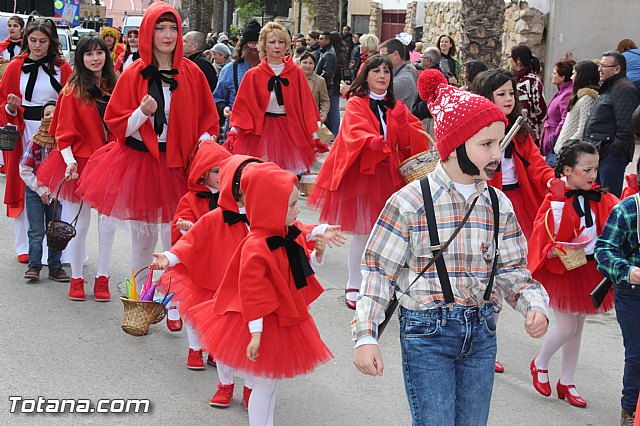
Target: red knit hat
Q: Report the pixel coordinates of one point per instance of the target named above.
(457, 114)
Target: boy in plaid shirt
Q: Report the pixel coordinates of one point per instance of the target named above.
(39, 208)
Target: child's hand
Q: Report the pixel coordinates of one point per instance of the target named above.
(13, 102)
(183, 225)
(160, 261)
(333, 236)
(344, 87)
(321, 245)
(148, 105)
(45, 198)
(72, 171)
(253, 346)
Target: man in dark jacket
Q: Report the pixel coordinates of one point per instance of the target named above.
(326, 68)
(610, 127)
(194, 44)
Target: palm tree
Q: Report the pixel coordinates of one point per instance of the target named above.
(482, 23)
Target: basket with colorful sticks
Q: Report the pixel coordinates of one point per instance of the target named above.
(142, 311)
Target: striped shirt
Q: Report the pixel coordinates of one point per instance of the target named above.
(399, 247)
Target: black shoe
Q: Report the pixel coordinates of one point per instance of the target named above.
(59, 275)
(32, 274)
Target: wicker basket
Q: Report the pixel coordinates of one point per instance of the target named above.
(8, 139)
(162, 312)
(138, 316)
(59, 232)
(419, 165)
(571, 254)
(3, 68)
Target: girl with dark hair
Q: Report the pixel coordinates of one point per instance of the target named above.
(130, 53)
(585, 79)
(448, 64)
(161, 108)
(572, 208)
(530, 91)
(79, 128)
(523, 173)
(11, 46)
(361, 171)
(31, 79)
(557, 108)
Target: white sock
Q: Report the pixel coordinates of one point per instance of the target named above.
(225, 373)
(564, 331)
(192, 336)
(262, 402)
(356, 250)
(106, 235)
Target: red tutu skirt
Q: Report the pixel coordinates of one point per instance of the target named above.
(51, 172)
(525, 213)
(359, 199)
(570, 292)
(283, 141)
(188, 294)
(284, 352)
(132, 185)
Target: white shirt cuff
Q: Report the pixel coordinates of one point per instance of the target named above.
(6, 108)
(366, 340)
(320, 229)
(313, 261)
(255, 326)
(67, 156)
(136, 120)
(173, 259)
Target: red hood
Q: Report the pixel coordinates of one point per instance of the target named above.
(147, 27)
(227, 170)
(209, 155)
(267, 188)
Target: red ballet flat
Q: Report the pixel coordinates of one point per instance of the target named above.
(564, 391)
(499, 368)
(543, 388)
(350, 304)
(174, 325)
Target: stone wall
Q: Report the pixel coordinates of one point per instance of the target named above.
(442, 17)
(375, 20)
(410, 20)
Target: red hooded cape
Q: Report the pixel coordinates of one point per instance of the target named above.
(532, 179)
(4, 44)
(190, 207)
(10, 83)
(253, 97)
(540, 242)
(359, 127)
(192, 109)
(258, 281)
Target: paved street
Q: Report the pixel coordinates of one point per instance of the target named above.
(55, 348)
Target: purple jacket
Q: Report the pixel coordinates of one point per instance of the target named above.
(556, 113)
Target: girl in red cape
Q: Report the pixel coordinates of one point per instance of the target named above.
(575, 207)
(274, 116)
(523, 174)
(31, 80)
(258, 326)
(79, 130)
(159, 110)
(10, 47)
(130, 54)
(361, 170)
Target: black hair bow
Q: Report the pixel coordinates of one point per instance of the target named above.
(213, 198)
(275, 85)
(231, 218)
(31, 67)
(156, 77)
(591, 195)
(300, 267)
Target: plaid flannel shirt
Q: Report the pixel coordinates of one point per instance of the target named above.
(34, 155)
(399, 247)
(619, 236)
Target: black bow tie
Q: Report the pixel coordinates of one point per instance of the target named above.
(156, 77)
(12, 46)
(231, 217)
(136, 56)
(378, 107)
(213, 198)
(300, 267)
(591, 195)
(275, 85)
(31, 67)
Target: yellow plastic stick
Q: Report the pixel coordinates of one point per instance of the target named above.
(133, 294)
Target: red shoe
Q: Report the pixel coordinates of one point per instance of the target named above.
(564, 391)
(499, 368)
(543, 388)
(23, 258)
(211, 361)
(101, 289)
(246, 393)
(350, 304)
(76, 289)
(194, 361)
(223, 396)
(174, 325)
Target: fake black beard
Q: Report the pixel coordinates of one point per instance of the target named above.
(468, 168)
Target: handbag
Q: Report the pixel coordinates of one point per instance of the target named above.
(324, 134)
(571, 254)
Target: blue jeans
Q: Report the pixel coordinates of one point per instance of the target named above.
(611, 173)
(627, 302)
(333, 118)
(39, 215)
(448, 362)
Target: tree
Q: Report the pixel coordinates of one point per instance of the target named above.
(482, 23)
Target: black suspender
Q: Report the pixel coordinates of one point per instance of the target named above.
(235, 75)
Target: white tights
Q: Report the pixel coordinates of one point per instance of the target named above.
(262, 403)
(76, 248)
(356, 250)
(225, 375)
(192, 336)
(144, 237)
(566, 335)
(20, 229)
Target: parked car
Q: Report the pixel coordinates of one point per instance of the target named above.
(130, 21)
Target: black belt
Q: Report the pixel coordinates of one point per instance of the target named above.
(138, 145)
(591, 257)
(510, 187)
(274, 114)
(33, 113)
